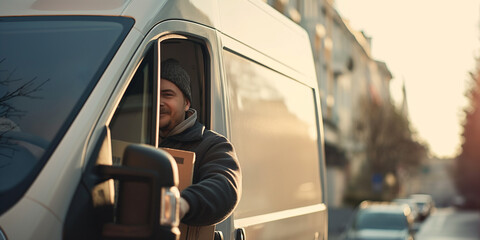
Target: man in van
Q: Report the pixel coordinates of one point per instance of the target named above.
(216, 186)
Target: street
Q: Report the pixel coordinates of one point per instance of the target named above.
(444, 224)
(450, 223)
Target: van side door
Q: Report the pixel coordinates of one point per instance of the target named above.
(275, 128)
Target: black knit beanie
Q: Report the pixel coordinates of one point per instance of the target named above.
(173, 72)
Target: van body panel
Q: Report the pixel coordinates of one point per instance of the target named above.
(252, 23)
(274, 128)
(68, 7)
(202, 12)
(39, 223)
(286, 228)
(233, 45)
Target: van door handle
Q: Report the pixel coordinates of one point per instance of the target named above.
(240, 234)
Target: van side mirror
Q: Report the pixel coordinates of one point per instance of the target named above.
(148, 197)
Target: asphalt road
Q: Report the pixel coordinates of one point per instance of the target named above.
(450, 224)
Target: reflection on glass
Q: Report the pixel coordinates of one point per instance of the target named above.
(274, 131)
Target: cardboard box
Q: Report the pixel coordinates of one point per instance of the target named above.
(185, 162)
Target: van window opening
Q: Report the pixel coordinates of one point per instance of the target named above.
(191, 53)
(133, 119)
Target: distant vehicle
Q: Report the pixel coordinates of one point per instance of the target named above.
(381, 220)
(415, 211)
(425, 204)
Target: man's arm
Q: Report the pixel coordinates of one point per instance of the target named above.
(217, 183)
(184, 207)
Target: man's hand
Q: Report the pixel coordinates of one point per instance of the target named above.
(184, 207)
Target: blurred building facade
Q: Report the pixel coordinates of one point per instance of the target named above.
(346, 72)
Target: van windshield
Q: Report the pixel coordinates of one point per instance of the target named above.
(48, 67)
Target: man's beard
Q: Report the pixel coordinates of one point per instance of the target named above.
(164, 111)
(166, 126)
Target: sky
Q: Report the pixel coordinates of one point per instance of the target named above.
(431, 46)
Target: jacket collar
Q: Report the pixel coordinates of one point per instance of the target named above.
(188, 130)
(191, 118)
(193, 133)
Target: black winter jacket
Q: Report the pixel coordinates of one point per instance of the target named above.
(216, 187)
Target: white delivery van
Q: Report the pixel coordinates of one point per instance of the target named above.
(79, 81)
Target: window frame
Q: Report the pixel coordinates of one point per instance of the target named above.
(203, 80)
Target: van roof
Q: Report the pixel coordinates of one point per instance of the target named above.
(251, 22)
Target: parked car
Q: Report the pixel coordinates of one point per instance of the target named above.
(425, 204)
(412, 204)
(381, 221)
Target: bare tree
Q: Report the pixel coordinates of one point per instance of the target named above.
(390, 143)
(26, 89)
(15, 88)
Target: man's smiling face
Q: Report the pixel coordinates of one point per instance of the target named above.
(173, 105)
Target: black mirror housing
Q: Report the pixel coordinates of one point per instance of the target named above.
(148, 157)
(147, 196)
